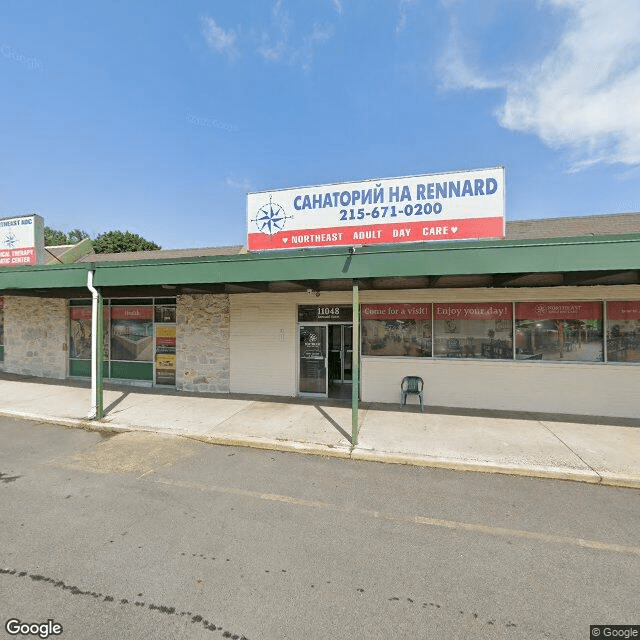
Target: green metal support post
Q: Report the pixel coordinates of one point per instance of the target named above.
(355, 378)
(100, 359)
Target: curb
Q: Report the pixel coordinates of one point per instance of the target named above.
(555, 473)
(346, 452)
(77, 423)
(257, 442)
(558, 473)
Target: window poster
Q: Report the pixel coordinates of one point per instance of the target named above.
(473, 330)
(623, 331)
(567, 331)
(396, 330)
(132, 333)
(80, 333)
(165, 355)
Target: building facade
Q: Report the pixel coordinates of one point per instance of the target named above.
(547, 324)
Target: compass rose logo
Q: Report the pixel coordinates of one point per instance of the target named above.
(271, 218)
(9, 240)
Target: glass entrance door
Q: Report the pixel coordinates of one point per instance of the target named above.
(313, 359)
(340, 352)
(347, 349)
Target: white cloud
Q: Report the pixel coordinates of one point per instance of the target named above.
(275, 50)
(403, 6)
(286, 43)
(584, 95)
(337, 5)
(219, 40)
(240, 184)
(457, 72)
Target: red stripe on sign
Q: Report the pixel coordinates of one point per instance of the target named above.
(17, 256)
(396, 311)
(132, 313)
(386, 233)
(169, 342)
(623, 310)
(84, 313)
(558, 311)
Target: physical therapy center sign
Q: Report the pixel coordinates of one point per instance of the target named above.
(446, 206)
(21, 241)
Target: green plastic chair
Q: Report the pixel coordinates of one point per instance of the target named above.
(412, 385)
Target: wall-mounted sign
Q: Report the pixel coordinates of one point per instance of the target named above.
(324, 313)
(623, 310)
(21, 241)
(558, 311)
(446, 206)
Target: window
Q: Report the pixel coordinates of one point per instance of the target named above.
(131, 333)
(566, 331)
(396, 330)
(473, 330)
(138, 334)
(623, 331)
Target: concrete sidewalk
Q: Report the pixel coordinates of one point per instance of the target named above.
(605, 451)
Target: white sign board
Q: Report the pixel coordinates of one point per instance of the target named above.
(21, 240)
(445, 206)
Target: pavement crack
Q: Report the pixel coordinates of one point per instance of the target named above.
(586, 464)
(235, 413)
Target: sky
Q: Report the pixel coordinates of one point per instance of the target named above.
(158, 117)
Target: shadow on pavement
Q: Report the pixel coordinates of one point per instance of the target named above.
(331, 402)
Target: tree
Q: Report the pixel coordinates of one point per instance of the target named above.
(54, 237)
(121, 241)
(76, 235)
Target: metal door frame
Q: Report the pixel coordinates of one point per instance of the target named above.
(325, 325)
(343, 350)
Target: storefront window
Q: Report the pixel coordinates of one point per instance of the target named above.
(623, 331)
(567, 331)
(132, 333)
(80, 334)
(80, 338)
(473, 330)
(396, 330)
(139, 336)
(165, 310)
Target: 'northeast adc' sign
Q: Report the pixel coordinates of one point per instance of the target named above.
(444, 206)
(21, 241)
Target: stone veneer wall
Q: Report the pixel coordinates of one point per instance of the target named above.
(202, 343)
(36, 336)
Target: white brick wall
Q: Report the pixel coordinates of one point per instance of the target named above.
(264, 357)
